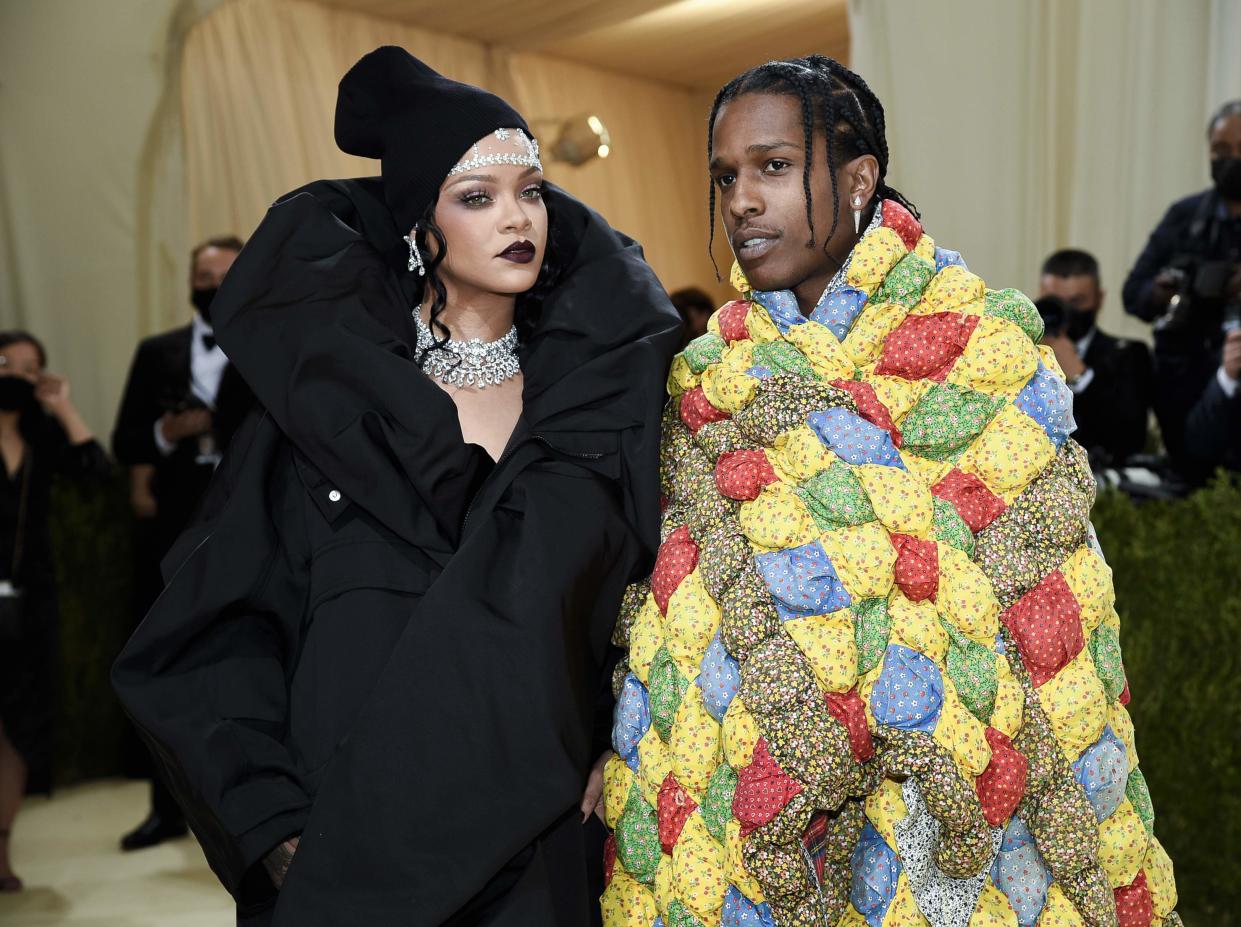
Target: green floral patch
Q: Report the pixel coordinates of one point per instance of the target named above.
(637, 838)
(782, 357)
(946, 420)
(680, 916)
(703, 351)
(1140, 797)
(1105, 651)
(836, 498)
(905, 282)
(872, 627)
(951, 529)
(667, 687)
(717, 804)
(1016, 307)
(971, 667)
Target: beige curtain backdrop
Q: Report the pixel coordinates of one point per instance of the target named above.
(1026, 126)
(258, 90)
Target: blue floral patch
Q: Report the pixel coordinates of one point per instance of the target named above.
(875, 871)
(1048, 400)
(802, 581)
(853, 439)
(909, 693)
(631, 720)
(719, 678)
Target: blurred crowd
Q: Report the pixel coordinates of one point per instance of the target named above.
(1156, 420)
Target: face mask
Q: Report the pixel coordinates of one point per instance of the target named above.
(201, 298)
(15, 393)
(1226, 173)
(1079, 322)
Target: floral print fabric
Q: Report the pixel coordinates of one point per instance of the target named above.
(876, 677)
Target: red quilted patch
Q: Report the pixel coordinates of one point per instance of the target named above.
(977, 505)
(741, 475)
(1134, 907)
(871, 408)
(917, 567)
(763, 789)
(1003, 783)
(609, 859)
(900, 220)
(847, 708)
(696, 410)
(731, 319)
(675, 807)
(1046, 623)
(678, 556)
(926, 346)
(1125, 695)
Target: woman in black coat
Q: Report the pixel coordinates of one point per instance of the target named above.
(41, 436)
(381, 650)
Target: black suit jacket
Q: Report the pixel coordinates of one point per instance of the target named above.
(158, 382)
(1113, 410)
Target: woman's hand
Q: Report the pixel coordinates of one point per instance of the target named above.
(592, 798)
(278, 860)
(52, 392)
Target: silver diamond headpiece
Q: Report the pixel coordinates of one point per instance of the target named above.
(525, 153)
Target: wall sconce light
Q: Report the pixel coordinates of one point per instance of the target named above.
(578, 139)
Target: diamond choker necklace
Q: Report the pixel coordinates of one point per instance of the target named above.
(469, 363)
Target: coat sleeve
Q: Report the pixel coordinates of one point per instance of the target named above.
(204, 676)
(133, 438)
(1214, 421)
(1160, 249)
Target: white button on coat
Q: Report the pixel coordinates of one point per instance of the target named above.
(334, 495)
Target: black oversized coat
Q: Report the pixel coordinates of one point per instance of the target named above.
(375, 637)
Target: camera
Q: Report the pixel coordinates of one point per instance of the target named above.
(1199, 300)
(1055, 314)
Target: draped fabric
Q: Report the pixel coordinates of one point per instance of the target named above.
(1068, 123)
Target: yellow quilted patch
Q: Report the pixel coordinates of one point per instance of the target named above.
(627, 903)
(726, 385)
(734, 864)
(777, 519)
(1075, 705)
(916, 625)
(645, 638)
(665, 885)
(698, 869)
(884, 807)
(829, 646)
(695, 743)
(896, 393)
(1123, 844)
(1010, 701)
(740, 734)
(993, 909)
(1122, 726)
(925, 471)
(903, 911)
(798, 454)
(1159, 879)
(758, 323)
(961, 734)
(617, 782)
(873, 257)
(681, 379)
(654, 764)
(863, 557)
(925, 248)
(873, 324)
(822, 349)
(1059, 911)
(999, 359)
(1090, 579)
(900, 500)
(953, 289)
(965, 597)
(737, 280)
(1009, 453)
(691, 622)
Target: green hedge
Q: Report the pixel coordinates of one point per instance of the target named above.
(1177, 569)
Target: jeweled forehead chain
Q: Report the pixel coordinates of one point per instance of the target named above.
(525, 153)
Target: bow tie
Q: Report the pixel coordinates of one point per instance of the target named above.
(208, 341)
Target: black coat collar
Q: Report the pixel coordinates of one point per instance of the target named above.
(315, 315)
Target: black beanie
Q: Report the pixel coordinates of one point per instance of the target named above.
(417, 122)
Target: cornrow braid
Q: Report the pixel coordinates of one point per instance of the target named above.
(832, 98)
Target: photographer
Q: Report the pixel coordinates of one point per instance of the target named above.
(1111, 378)
(1188, 282)
(182, 403)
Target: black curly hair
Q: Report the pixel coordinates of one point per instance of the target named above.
(834, 100)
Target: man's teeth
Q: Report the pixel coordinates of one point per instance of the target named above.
(752, 241)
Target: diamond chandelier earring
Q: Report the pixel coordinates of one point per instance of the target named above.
(415, 258)
(857, 216)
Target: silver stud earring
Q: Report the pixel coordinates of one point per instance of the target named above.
(415, 259)
(857, 215)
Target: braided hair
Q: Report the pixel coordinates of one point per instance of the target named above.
(834, 99)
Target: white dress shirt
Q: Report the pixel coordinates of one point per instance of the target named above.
(207, 367)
